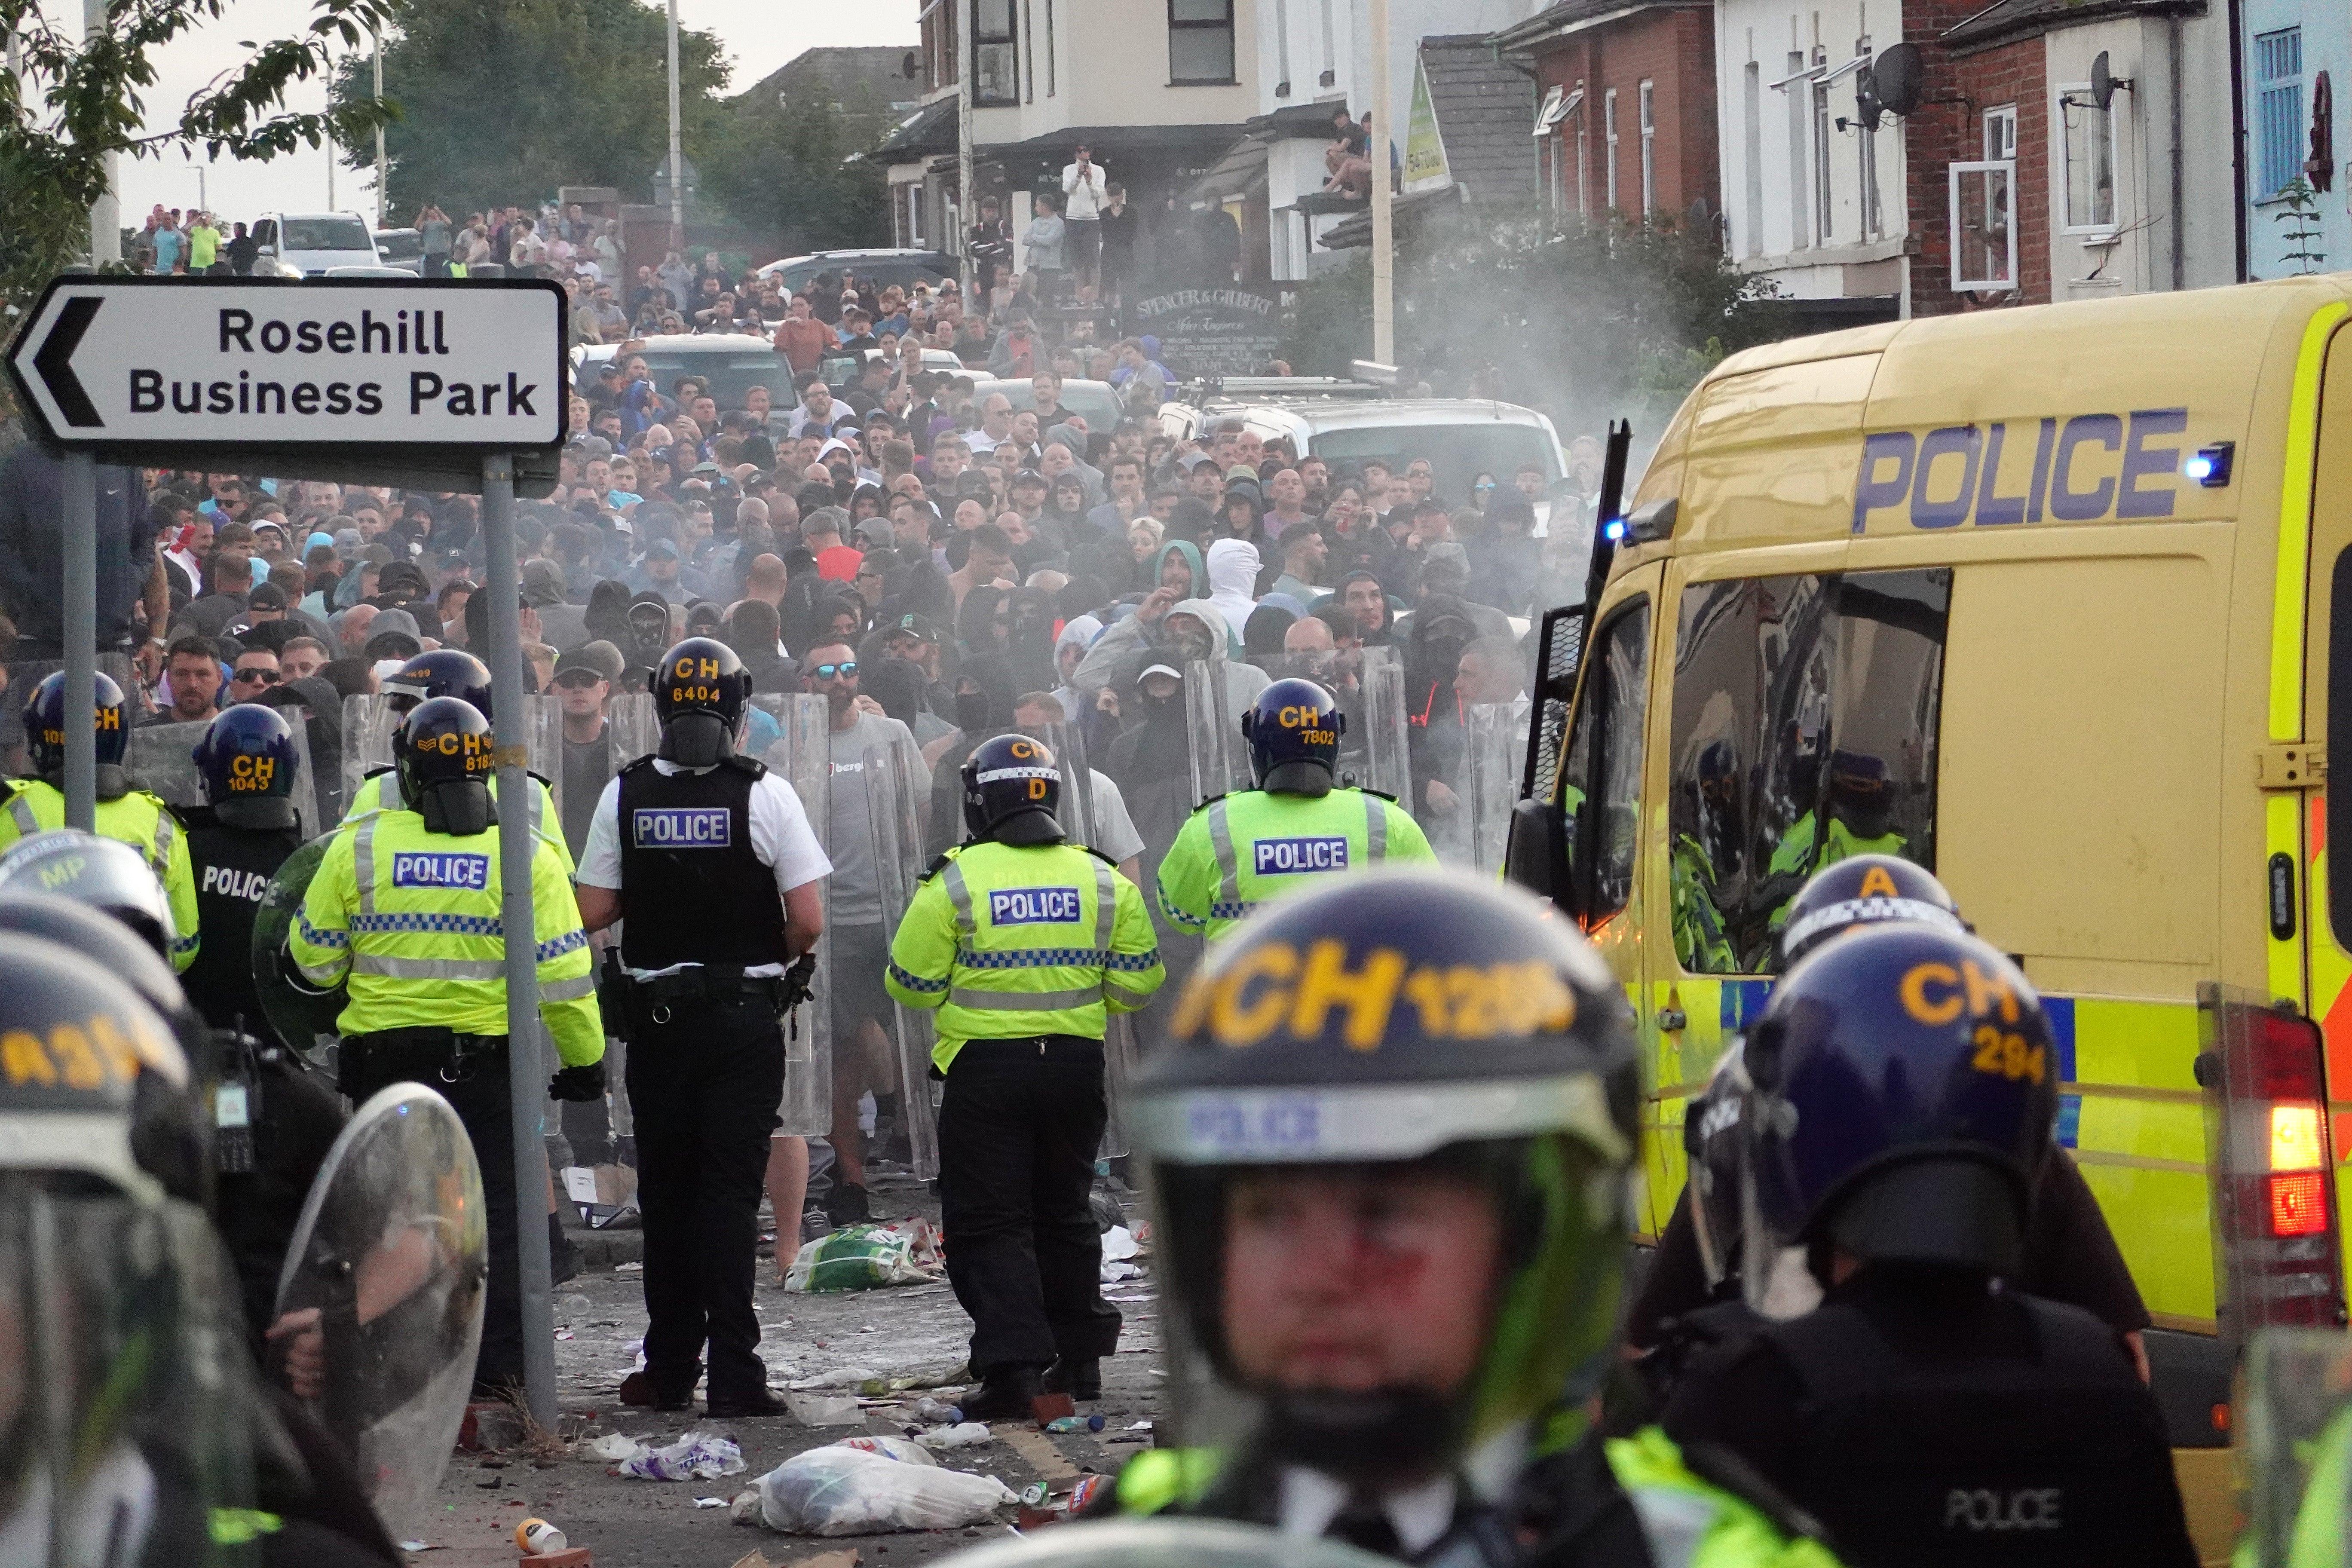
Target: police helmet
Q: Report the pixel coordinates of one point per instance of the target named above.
(1012, 791)
(246, 764)
(1864, 889)
(701, 692)
(45, 724)
(1294, 738)
(1411, 1026)
(1905, 1084)
(445, 754)
(104, 873)
(443, 672)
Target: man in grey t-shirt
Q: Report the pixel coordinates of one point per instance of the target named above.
(858, 942)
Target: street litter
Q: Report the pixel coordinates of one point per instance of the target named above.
(697, 1456)
(842, 1491)
(1119, 1242)
(866, 1381)
(710, 1502)
(890, 1449)
(824, 1409)
(862, 1256)
(962, 1435)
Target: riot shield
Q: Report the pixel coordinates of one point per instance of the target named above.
(1495, 748)
(126, 1407)
(1220, 758)
(542, 738)
(796, 744)
(368, 724)
(636, 732)
(2294, 1436)
(1387, 767)
(385, 1280)
(1166, 1543)
(893, 803)
(300, 1014)
(163, 758)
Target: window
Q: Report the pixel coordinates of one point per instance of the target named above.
(1282, 48)
(1804, 731)
(2088, 174)
(1984, 227)
(2000, 132)
(2278, 111)
(996, 73)
(1200, 42)
(1800, 225)
(1873, 223)
(1029, 48)
(1052, 74)
(1609, 143)
(914, 241)
(1649, 109)
(1330, 72)
(1601, 782)
(1824, 224)
(1751, 126)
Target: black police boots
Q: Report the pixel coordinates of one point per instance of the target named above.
(1008, 1394)
(1078, 1379)
(846, 1204)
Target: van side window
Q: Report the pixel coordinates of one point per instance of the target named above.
(266, 232)
(1803, 731)
(1603, 770)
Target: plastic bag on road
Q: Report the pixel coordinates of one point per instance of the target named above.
(851, 1491)
(864, 1257)
(697, 1456)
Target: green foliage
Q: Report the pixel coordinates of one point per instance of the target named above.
(1591, 320)
(2299, 218)
(75, 103)
(504, 100)
(791, 171)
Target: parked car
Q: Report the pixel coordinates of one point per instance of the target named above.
(840, 370)
(1096, 401)
(305, 244)
(904, 268)
(730, 363)
(401, 247)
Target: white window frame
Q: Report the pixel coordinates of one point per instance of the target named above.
(2062, 207)
(1825, 182)
(1282, 48)
(915, 217)
(1998, 131)
(1609, 146)
(1954, 175)
(1330, 75)
(1648, 111)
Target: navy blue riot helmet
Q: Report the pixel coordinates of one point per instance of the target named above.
(1012, 791)
(1864, 889)
(701, 690)
(1294, 738)
(45, 724)
(443, 672)
(245, 763)
(444, 753)
(1905, 1087)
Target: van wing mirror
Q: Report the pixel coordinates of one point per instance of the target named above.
(1536, 857)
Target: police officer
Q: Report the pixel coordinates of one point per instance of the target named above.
(1024, 944)
(406, 906)
(1905, 1084)
(1390, 1148)
(449, 672)
(125, 812)
(236, 841)
(1239, 850)
(709, 860)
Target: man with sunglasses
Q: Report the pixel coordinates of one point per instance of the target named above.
(254, 672)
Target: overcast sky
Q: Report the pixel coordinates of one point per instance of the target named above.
(758, 36)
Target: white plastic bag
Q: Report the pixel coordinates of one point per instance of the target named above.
(697, 1456)
(962, 1435)
(889, 1448)
(850, 1492)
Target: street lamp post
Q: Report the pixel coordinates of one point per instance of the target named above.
(1383, 213)
(379, 133)
(677, 153)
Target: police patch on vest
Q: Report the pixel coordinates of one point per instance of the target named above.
(232, 883)
(424, 870)
(1032, 906)
(683, 827)
(1286, 857)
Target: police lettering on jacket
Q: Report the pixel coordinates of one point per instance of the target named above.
(418, 868)
(682, 827)
(1286, 857)
(231, 883)
(1032, 906)
(2084, 467)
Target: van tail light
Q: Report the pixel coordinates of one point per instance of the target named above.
(2263, 1069)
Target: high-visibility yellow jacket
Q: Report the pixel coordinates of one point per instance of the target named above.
(136, 818)
(379, 791)
(1242, 849)
(1007, 942)
(414, 919)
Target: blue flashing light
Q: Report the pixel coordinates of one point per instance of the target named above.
(2209, 465)
(1614, 529)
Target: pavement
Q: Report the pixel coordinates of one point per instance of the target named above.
(892, 1332)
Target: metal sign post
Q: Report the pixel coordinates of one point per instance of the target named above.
(80, 588)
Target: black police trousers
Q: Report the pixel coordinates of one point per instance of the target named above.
(1019, 1126)
(477, 1084)
(705, 1076)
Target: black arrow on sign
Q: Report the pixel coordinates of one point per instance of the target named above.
(55, 361)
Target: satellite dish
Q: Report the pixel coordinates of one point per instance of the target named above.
(1896, 79)
(2102, 82)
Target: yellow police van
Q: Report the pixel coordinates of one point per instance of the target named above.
(2044, 600)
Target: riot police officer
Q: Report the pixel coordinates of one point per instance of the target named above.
(236, 841)
(1024, 944)
(1390, 1148)
(1239, 850)
(405, 906)
(449, 672)
(708, 861)
(126, 813)
(1903, 1088)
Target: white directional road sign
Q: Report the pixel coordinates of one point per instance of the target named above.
(415, 377)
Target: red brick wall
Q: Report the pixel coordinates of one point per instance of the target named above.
(1673, 47)
(1942, 133)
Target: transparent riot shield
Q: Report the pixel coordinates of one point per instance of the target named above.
(894, 806)
(636, 731)
(1220, 758)
(368, 724)
(384, 1281)
(1387, 767)
(1165, 1542)
(2294, 1436)
(1495, 749)
(542, 738)
(796, 743)
(303, 1017)
(163, 758)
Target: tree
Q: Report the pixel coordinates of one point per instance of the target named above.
(75, 104)
(1592, 319)
(503, 100)
(794, 172)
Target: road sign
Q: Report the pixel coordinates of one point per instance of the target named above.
(406, 380)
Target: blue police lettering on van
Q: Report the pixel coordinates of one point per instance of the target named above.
(1289, 856)
(420, 869)
(682, 827)
(2082, 468)
(1033, 905)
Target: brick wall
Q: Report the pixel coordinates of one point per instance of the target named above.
(1674, 48)
(1943, 132)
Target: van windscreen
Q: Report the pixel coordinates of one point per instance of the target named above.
(327, 233)
(1457, 452)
